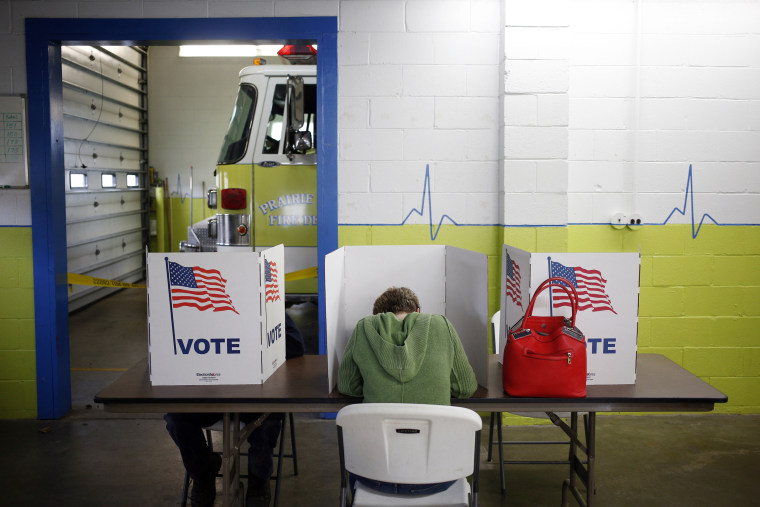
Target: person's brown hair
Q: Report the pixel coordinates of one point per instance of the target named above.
(396, 300)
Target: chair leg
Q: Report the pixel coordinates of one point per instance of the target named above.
(490, 436)
(293, 443)
(280, 455)
(209, 440)
(185, 487)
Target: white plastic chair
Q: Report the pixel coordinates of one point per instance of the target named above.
(408, 443)
(496, 421)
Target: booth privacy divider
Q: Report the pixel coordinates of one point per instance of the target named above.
(447, 280)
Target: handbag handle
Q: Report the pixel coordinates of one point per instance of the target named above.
(563, 284)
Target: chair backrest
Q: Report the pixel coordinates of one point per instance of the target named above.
(409, 443)
(496, 331)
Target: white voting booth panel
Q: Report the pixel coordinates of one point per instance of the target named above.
(448, 281)
(608, 287)
(216, 318)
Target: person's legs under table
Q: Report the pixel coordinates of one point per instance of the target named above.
(186, 429)
(262, 442)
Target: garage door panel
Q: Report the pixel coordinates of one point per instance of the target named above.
(105, 141)
(99, 86)
(101, 205)
(99, 132)
(78, 231)
(98, 156)
(130, 55)
(99, 253)
(94, 59)
(102, 249)
(89, 108)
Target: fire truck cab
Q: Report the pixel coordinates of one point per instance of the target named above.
(266, 178)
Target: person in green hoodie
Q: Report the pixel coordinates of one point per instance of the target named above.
(399, 355)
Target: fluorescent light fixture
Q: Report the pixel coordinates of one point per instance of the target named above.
(237, 50)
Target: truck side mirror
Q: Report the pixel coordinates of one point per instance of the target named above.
(302, 141)
(295, 103)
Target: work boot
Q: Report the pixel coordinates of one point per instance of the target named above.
(258, 494)
(203, 493)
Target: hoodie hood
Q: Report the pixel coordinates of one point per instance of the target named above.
(399, 345)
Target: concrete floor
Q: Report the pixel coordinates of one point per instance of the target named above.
(94, 458)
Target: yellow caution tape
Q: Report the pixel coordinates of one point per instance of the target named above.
(77, 279)
(301, 274)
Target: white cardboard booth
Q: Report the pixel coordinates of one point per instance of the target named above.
(448, 281)
(216, 318)
(608, 290)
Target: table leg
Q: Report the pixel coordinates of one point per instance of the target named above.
(591, 455)
(586, 474)
(232, 440)
(501, 455)
(571, 458)
(226, 453)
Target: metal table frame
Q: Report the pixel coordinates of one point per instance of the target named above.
(300, 385)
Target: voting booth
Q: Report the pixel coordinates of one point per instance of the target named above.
(448, 281)
(216, 318)
(608, 294)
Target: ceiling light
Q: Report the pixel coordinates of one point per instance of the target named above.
(237, 50)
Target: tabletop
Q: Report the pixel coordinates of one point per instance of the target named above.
(300, 385)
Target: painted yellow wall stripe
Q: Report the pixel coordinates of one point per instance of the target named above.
(77, 279)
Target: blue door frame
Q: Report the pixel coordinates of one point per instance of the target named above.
(44, 38)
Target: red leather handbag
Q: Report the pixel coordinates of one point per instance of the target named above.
(546, 356)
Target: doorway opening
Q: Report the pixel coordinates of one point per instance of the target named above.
(44, 38)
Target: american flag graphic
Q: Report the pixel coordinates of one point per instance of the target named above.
(271, 286)
(589, 284)
(513, 281)
(203, 289)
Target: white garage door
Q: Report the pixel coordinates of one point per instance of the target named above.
(105, 132)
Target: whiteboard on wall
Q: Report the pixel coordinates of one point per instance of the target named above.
(13, 146)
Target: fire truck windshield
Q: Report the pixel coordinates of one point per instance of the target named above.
(239, 129)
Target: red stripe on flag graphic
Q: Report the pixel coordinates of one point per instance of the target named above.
(589, 284)
(199, 288)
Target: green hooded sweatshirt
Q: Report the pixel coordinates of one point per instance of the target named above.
(416, 360)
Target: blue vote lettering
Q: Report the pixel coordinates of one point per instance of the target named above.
(213, 345)
(607, 345)
(274, 335)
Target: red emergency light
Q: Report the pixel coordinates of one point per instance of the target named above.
(302, 52)
(233, 198)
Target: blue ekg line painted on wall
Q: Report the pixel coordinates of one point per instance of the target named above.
(182, 195)
(420, 211)
(426, 193)
(689, 196)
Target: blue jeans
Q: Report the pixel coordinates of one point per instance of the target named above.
(187, 432)
(399, 489)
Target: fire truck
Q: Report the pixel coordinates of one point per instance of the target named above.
(266, 177)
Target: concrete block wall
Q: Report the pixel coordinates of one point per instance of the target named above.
(654, 88)
(537, 120)
(661, 105)
(419, 87)
(536, 112)
(17, 348)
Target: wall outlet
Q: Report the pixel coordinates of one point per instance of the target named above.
(618, 220)
(635, 222)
